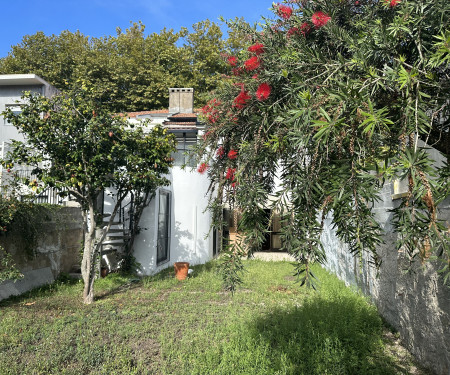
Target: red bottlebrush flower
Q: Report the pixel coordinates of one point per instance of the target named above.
(263, 91)
(292, 31)
(320, 19)
(241, 100)
(255, 76)
(305, 28)
(213, 117)
(233, 185)
(237, 71)
(220, 152)
(202, 168)
(210, 112)
(392, 3)
(252, 63)
(232, 60)
(230, 174)
(232, 154)
(256, 48)
(206, 135)
(284, 11)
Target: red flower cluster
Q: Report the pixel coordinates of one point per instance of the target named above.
(320, 19)
(232, 60)
(202, 168)
(284, 11)
(206, 135)
(232, 154)
(263, 91)
(305, 28)
(230, 174)
(393, 3)
(210, 112)
(220, 152)
(237, 71)
(293, 31)
(241, 100)
(252, 63)
(256, 48)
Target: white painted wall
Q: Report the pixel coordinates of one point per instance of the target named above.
(189, 224)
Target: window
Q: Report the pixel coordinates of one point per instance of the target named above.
(163, 240)
(184, 144)
(16, 110)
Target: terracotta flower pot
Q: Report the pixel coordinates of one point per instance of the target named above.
(181, 270)
(104, 272)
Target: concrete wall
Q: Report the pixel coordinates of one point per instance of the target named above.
(58, 250)
(188, 228)
(417, 304)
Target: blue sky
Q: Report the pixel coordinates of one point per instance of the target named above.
(101, 17)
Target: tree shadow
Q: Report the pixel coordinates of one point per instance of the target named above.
(119, 289)
(325, 336)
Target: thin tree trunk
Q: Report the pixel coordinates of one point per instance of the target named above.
(88, 262)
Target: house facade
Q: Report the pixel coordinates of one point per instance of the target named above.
(175, 226)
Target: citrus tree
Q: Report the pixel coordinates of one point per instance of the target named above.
(77, 145)
(330, 100)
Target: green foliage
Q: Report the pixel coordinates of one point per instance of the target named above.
(129, 71)
(326, 106)
(8, 269)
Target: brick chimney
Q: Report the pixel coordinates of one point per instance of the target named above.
(181, 100)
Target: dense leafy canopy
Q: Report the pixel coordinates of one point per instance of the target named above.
(332, 99)
(130, 71)
(75, 144)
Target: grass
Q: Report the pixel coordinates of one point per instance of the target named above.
(162, 326)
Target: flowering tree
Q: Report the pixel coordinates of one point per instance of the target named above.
(79, 146)
(332, 98)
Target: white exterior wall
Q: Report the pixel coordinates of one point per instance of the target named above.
(189, 224)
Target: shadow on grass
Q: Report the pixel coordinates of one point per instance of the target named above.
(338, 336)
(115, 283)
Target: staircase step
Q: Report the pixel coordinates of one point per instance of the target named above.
(123, 237)
(109, 251)
(115, 230)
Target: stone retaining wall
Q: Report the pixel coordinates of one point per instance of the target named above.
(58, 250)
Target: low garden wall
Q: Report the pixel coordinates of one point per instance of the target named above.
(416, 303)
(55, 249)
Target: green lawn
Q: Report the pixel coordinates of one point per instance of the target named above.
(162, 326)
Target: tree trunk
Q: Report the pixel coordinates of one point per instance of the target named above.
(88, 262)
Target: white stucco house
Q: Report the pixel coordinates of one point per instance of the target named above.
(175, 225)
